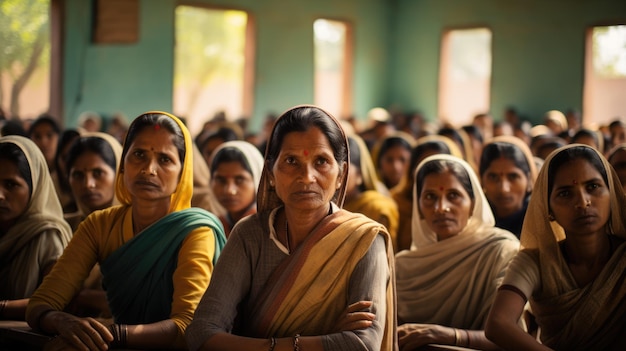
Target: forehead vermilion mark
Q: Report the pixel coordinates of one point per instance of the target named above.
(440, 188)
(157, 127)
(574, 182)
(306, 152)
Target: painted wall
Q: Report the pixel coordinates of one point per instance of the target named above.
(136, 78)
(538, 50)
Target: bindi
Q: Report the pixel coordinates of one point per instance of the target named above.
(306, 152)
(574, 182)
(440, 188)
(157, 127)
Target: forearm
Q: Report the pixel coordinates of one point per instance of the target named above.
(13, 309)
(512, 337)
(153, 335)
(230, 342)
(473, 339)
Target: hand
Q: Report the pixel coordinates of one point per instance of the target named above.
(354, 317)
(81, 333)
(412, 336)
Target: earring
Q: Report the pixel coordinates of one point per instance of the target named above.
(271, 182)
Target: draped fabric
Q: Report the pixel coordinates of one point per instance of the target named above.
(573, 317)
(40, 234)
(435, 277)
(315, 278)
(145, 265)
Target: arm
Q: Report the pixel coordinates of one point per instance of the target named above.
(412, 336)
(502, 327)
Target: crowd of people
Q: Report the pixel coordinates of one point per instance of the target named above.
(315, 233)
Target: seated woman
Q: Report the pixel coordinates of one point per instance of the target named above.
(617, 159)
(91, 163)
(425, 146)
(33, 233)
(571, 269)
(61, 182)
(448, 279)
(507, 173)
(589, 137)
(235, 175)
(391, 158)
(155, 252)
(301, 273)
(363, 194)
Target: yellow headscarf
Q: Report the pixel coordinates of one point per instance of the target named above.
(181, 198)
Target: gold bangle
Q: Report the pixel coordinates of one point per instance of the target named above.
(456, 336)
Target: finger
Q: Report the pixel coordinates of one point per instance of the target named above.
(359, 306)
(358, 325)
(105, 333)
(357, 316)
(75, 341)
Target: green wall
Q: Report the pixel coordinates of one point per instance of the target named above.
(538, 50)
(138, 77)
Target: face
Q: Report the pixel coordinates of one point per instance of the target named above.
(233, 186)
(46, 139)
(306, 174)
(92, 181)
(444, 204)
(208, 148)
(618, 135)
(505, 186)
(580, 200)
(152, 167)
(14, 192)
(618, 161)
(587, 140)
(393, 165)
(355, 179)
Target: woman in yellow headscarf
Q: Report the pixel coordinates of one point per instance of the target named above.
(156, 253)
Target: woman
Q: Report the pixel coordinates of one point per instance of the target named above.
(617, 159)
(288, 273)
(446, 282)
(45, 133)
(363, 192)
(425, 146)
(155, 252)
(235, 175)
(589, 137)
(91, 164)
(508, 172)
(61, 182)
(572, 267)
(33, 233)
(391, 157)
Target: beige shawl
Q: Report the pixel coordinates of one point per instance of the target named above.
(39, 236)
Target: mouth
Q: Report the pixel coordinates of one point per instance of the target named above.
(585, 219)
(146, 184)
(443, 221)
(90, 197)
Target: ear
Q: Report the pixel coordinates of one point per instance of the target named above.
(342, 171)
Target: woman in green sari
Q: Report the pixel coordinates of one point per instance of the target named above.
(156, 253)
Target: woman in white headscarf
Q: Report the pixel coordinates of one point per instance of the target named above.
(446, 282)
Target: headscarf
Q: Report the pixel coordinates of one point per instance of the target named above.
(368, 171)
(252, 155)
(267, 200)
(538, 232)
(376, 149)
(117, 151)
(481, 218)
(42, 213)
(181, 198)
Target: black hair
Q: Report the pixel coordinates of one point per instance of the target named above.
(151, 120)
(573, 153)
(301, 119)
(390, 143)
(229, 154)
(442, 166)
(223, 133)
(44, 119)
(474, 132)
(67, 136)
(13, 127)
(418, 152)
(586, 133)
(93, 144)
(11, 152)
(505, 150)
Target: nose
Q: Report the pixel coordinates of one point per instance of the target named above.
(505, 185)
(230, 188)
(442, 205)
(582, 199)
(308, 174)
(90, 181)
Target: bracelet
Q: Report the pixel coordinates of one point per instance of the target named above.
(296, 342)
(456, 336)
(468, 338)
(272, 343)
(3, 304)
(120, 334)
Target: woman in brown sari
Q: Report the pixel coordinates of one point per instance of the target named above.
(301, 273)
(572, 269)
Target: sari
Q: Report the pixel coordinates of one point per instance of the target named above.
(435, 277)
(573, 317)
(174, 255)
(39, 236)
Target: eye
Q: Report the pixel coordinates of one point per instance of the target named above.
(290, 160)
(138, 153)
(77, 176)
(97, 173)
(322, 161)
(492, 177)
(165, 159)
(563, 193)
(593, 186)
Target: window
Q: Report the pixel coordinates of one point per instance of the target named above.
(465, 75)
(333, 56)
(212, 65)
(605, 75)
(25, 64)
